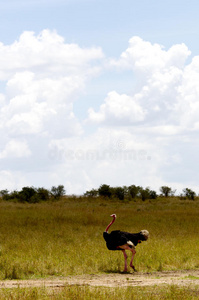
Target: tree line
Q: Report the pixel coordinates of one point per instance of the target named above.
(33, 195)
(133, 191)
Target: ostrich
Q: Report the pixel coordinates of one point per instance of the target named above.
(120, 240)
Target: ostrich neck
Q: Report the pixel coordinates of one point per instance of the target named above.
(107, 228)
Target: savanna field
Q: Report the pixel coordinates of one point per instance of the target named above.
(62, 238)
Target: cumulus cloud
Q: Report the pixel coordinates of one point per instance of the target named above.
(118, 109)
(160, 114)
(11, 179)
(166, 92)
(44, 76)
(48, 54)
(41, 75)
(15, 149)
(145, 132)
(147, 58)
(39, 105)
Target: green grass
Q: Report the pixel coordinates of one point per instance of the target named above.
(65, 238)
(102, 293)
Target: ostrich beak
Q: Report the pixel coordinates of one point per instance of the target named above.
(113, 215)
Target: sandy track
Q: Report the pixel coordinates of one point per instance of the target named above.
(183, 278)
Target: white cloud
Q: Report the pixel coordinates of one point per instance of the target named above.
(142, 56)
(121, 109)
(44, 76)
(41, 78)
(35, 104)
(114, 156)
(164, 107)
(15, 149)
(187, 105)
(166, 93)
(140, 136)
(48, 55)
(13, 180)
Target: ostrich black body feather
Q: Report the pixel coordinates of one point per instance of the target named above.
(119, 238)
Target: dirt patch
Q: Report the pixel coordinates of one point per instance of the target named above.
(183, 278)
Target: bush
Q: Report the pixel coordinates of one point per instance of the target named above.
(167, 191)
(144, 193)
(57, 192)
(134, 190)
(33, 195)
(189, 194)
(118, 192)
(43, 194)
(27, 194)
(105, 191)
(91, 193)
(13, 196)
(153, 195)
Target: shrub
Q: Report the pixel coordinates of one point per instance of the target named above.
(4, 194)
(57, 192)
(167, 191)
(133, 190)
(189, 194)
(26, 194)
(33, 195)
(118, 192)
(92, 193)
(105, 191)
(144, 193)
(43, 194)
(153, 195)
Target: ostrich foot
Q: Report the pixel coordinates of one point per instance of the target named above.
(125, 271)
(134, 269)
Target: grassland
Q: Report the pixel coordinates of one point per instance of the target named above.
(90, 293)
(65, 238)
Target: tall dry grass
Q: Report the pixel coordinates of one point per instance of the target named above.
(65, 237)
(164, 292)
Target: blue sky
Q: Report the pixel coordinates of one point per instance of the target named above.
(95, 92)
(106, 23)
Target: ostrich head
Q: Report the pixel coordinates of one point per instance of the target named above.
(145, 234)
(113, 216)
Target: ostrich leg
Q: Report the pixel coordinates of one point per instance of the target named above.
(131, 262)
(125, 260)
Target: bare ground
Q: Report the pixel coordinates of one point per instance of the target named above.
(181, 278)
